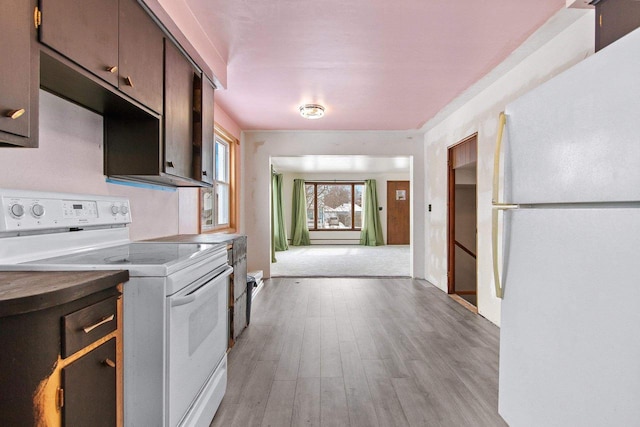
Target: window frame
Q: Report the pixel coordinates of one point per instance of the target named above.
(232, 143)
(353, 197)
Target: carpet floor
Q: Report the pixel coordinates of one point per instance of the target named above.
(343, 261)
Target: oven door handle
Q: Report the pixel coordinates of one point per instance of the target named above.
(193, 295)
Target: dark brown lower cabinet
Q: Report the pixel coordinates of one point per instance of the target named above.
(89, 386)
(43, 384)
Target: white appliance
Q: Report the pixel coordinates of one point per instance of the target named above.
(175, 303)
(569, 340)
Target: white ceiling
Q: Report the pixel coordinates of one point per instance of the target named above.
(341, 164)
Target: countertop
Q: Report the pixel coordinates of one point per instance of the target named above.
(26, 291)
(199, 238)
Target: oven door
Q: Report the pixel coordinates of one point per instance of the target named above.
(196, 339)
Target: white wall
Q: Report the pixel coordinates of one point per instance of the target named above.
(340, 237)
(479, 113)
(70, 159)
(260, 147)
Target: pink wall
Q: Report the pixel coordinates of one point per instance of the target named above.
(223, 119)
(70, 159)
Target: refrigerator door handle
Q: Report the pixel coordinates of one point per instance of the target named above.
(494, 244)
(497, 206)
(502, 120)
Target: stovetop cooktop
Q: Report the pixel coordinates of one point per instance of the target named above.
(140, 258)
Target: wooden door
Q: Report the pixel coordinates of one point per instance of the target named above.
(85, 32)
(398, 213)
(15, 68)
(140, 55)
(462, 156)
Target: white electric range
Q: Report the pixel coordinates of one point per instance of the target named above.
(175, 303)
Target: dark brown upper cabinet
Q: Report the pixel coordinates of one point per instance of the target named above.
(18, 74)
(115, 40)
(85, 32)
(178, 113)
(140, 56)
(207, 140)
(138, 149)
(614, 19)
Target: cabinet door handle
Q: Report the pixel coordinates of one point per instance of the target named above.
(100, 323)
(129, 81)
(170, 164)
(109, 362)
(14, 114)
(113, 69)
(204, 173)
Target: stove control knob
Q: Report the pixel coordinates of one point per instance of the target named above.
(124, 209)
(37, 210)
(16, 210)
(114, 209)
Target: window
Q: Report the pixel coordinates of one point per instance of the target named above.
(221, 182)
(217, 203)
(334, 206)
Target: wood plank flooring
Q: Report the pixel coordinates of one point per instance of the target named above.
(361, 352)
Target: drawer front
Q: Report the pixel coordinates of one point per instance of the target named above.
(87, 325)
(89, 386)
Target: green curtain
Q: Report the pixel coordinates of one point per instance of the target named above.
(371, 234)
(273, 240)
(299, 227)
(279, 231)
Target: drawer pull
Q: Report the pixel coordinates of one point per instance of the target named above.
(109, 363)
(14, 114)
(112, 69)
(100, 323)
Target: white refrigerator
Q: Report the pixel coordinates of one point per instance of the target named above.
(570, 247)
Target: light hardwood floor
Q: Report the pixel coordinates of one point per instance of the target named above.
(361, 352)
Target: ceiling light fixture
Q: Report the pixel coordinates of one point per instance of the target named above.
(311, 111)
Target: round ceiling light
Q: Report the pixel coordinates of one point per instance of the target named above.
(311, 111)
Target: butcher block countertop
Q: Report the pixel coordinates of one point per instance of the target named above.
(26, 291)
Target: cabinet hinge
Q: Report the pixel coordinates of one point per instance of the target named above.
(37, 17)
(59, 397)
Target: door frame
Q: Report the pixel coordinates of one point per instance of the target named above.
(451, 211)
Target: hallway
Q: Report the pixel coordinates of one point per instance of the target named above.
(361, 352)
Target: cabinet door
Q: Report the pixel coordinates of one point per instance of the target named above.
(615, 19)
(207, 131)
(178, 112)
(140, 55)
(15, 66)
(85, 32)
(89, 386)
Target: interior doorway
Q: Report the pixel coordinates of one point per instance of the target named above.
(398, 213)
(462, 215)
